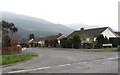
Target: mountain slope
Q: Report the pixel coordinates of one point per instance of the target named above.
(39, 27)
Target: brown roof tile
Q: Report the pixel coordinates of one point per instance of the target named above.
(39, 39)
(88, 32)
(53, 37)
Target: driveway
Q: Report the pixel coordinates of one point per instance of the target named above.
(59, 60)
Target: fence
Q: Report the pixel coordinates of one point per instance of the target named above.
(11, 50)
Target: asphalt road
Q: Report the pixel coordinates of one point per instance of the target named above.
(58, 60)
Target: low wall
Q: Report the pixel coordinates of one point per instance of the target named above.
(11, 50)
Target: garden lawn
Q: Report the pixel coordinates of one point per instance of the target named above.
(5, 60)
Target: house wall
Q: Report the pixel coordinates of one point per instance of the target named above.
(41, 43)
(87, 40)
(94, 38)
(108, 33)
(59, 38)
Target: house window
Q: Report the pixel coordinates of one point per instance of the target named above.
(87, 39)
(94, 39)
(59, 42)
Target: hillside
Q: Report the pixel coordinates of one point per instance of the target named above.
(37, 26)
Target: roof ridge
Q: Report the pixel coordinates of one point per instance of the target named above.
(93, 29)
(89, 32)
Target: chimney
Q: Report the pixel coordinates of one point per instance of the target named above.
(82, 28)
(59, 34)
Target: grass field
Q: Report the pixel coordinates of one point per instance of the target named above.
(5, 60)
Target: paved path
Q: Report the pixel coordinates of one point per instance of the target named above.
(58, 60)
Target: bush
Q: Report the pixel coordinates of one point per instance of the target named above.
(76, 41)
(115, 41)
(51, 43)
(63, 43)
(73, 42)
(118, 49)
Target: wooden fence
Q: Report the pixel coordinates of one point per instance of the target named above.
(11, 50)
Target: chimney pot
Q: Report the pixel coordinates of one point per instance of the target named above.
(82, 28)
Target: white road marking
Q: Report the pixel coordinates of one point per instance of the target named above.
(29, 70)
(63, 65)
(17, 71)
(82, 62)
(68, 64)
(112, 58)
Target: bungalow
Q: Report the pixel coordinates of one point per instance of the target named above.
(42, 41)
(55, 37)
(38, 42)
(89, 36)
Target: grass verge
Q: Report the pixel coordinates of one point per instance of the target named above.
(6, 60)
(110, 49)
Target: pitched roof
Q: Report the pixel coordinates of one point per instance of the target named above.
(118, 33)
(52, 37)
(88, 32)
(24, 40)
(39, 39)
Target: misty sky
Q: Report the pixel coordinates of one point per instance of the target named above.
(91, 12)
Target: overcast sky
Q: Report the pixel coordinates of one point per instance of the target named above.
(91, 12)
